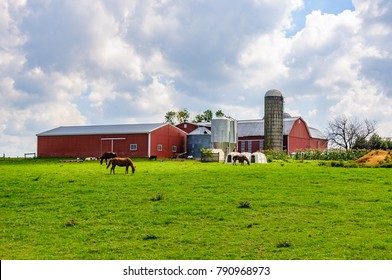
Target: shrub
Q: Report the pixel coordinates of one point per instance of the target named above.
(157, 197)
(283, 244)
(244, 204)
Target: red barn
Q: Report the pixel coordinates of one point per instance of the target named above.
(188, 127)
(131, 140)
(296, 136)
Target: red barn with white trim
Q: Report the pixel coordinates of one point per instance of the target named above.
(296, 136)
(129, 140)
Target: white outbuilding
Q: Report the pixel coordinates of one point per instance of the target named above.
(258, 157)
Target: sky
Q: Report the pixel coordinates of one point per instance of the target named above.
(94, 62)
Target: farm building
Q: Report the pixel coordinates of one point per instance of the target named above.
(198, 139)
(132, 140)
(297, 135)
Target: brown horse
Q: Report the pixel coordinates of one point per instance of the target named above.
(121, 162)
(241, 159)
(106, 156)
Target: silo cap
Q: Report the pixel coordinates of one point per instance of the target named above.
(273, 92)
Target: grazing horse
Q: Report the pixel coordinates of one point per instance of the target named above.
(106, 156)
(241, 159)
(121, 162)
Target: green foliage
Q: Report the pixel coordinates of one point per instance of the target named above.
(273, 155)
(207, 116)
(57, 210)
(335, 155)
(174, 118)
(375, 142)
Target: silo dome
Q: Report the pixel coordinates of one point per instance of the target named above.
(273, 93)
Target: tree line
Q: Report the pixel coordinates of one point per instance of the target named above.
(176, 117)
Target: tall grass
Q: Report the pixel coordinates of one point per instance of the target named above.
(193, 210)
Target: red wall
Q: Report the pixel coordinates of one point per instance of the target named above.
(187, 127)
(92, 146)
(299, 138)
(167, 136)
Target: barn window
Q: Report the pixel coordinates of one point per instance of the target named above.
(242, 146)
(159, 147)
(133, 147)
(174, 149)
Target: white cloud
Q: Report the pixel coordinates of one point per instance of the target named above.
(63, 62)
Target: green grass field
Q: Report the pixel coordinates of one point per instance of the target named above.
(193, 210)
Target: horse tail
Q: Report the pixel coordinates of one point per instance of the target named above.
(132, 166)
(110, 162)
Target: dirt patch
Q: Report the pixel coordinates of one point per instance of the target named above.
(375, 157)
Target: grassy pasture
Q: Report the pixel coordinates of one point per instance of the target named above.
(194, 210)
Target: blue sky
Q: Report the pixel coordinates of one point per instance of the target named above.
(325, 6)
(102, 62)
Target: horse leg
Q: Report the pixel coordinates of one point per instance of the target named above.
(126, 169)
(113, 166)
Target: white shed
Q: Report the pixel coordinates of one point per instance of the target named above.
(229, 157)
(258, 158)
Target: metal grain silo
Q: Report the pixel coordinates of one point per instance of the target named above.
(224, 134)
(273, 120)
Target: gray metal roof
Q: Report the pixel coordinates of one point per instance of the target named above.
(248, 128)
(315, 133)
(200, 131)
(256, 127)
(102, 129)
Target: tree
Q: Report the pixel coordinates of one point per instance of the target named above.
(219, 113)
(375, 142)
(206, 116)
(173, 117)
(183, 116)
(170, 117)
(344, 132)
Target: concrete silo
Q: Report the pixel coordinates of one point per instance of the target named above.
(273, 120)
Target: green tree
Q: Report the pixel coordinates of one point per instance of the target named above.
(361, 143)
(170, 117)
(219, 113)
(375, 142)
(206, 116)
(183, 116)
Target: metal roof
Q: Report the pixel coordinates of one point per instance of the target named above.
(102, 129)
(200, 131)
(315, 133)
(256, 127)
(248, 128)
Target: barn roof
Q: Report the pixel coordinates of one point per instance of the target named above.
(200, 131)
(103, 129)
(256, 127)
(315, 133)
(248, 128)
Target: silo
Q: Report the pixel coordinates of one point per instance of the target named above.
(224, 134)
(198, 139)
(273, 120)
